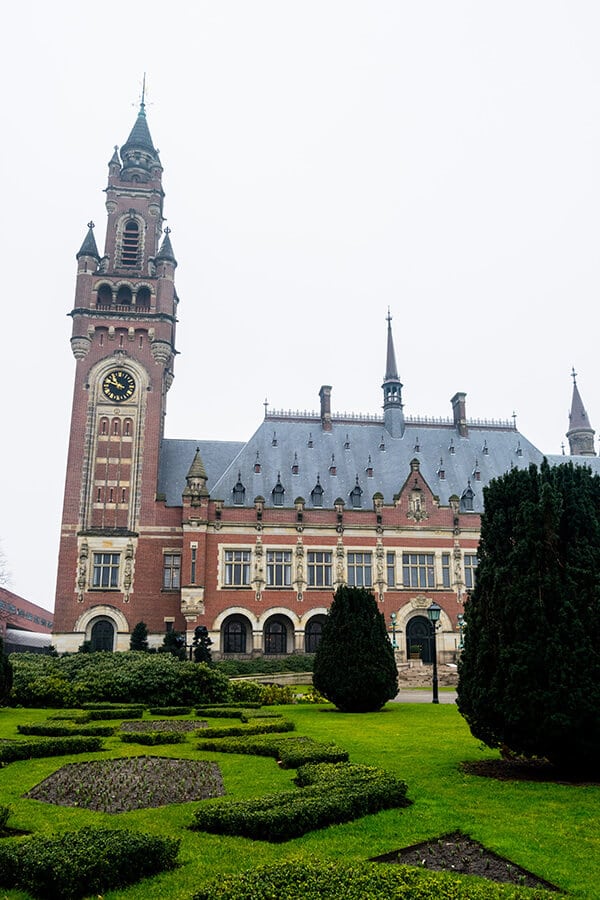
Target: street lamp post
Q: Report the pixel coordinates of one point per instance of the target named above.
(433, 614)
(393, 620)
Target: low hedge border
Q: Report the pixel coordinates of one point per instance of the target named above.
(248, 705)
(291, 752)
(79, 863)
(170, 710)
(66, 730)
(217, 731)
(151, 738)
(332, 880)
(108, 705)
(333, 794)
(60, 746)
(244, 714)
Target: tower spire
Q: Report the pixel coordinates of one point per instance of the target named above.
(393, 416)
(580, 433)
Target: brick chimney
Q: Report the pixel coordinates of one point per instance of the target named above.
(459, 410)
(325, 395)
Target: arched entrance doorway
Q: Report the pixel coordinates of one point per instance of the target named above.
(102, 635)
(276, 630)
(418, 634)
(235, 633)
(312, 633)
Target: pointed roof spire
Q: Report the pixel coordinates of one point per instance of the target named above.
(166, 250)
(196, 477)
(89, 248)
(139, 135)
(391, 369)
(578, 418)
(580, 433)
(393, 415)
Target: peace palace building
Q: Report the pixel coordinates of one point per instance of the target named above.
(250, 539)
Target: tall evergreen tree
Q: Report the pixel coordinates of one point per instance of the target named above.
(354, 665)
(530, 668)
(139, 637)
(202, 643)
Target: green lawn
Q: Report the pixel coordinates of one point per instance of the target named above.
(550, 829)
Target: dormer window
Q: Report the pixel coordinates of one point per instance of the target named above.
(310, 442)
(356, 495)
(131, 245)
(239, 492)
(295, 466)
(441, 472)
(316, 495)
(451, 447)
(347, 443)
(466, 500)
(278, 492)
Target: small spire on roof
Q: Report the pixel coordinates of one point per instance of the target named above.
(89, 248)
(166, 249)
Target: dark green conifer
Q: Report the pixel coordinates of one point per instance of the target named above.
(354, 663)
(530, 668)
(5, 674)
(139, 637)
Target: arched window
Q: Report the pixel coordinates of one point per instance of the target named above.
(127, 427)
(131, 244)
(235, 635)
(466, 500)
(102, 635)
(104, 295)
(124, 296)
(312, 635)
(116, 426)
(103, 426)
(275, 637)
(142, 298)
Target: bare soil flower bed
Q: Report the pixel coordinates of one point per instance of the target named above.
(121, 785)
(458, 853)
(163, 725)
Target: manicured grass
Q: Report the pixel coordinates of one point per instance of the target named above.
(550, 829)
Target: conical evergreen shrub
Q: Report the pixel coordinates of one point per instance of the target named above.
(530, 669)
(354, 663)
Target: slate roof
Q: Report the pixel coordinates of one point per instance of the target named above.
(353, 448)
(177, 456)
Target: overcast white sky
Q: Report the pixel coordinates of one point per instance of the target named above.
(324, 159)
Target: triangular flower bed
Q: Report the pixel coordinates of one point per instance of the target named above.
(456, 852)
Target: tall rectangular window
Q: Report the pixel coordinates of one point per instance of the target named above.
(171, 571)
(446, 570)
(417, 570)
(193, 565)
(237, 568)
(320, 566)
(471, 562)
(391, 569)
(106, 570)
(360, 570)
(279, 568)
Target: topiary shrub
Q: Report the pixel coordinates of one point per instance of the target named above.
(79, 863)
(354, 663)
(139, 637)
(529, 673)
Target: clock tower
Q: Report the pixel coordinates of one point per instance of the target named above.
(123, 341)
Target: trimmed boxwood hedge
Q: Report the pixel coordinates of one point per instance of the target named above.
(242, 713)
(345, 792)
(334, 880)
(60, 746)
(151, 738)
(48, 730)
(115, 712)
(80, 863)
(290, 751)
(170, 710)
(217, 731)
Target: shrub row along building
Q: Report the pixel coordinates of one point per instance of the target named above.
(250, 539)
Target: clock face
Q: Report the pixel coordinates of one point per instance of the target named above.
(118, 386)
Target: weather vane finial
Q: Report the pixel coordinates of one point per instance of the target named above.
(143, 100)
(573, 374)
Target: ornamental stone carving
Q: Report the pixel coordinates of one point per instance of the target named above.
(161, 351)
(80, 346)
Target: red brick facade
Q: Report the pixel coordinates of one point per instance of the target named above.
(157, 531)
